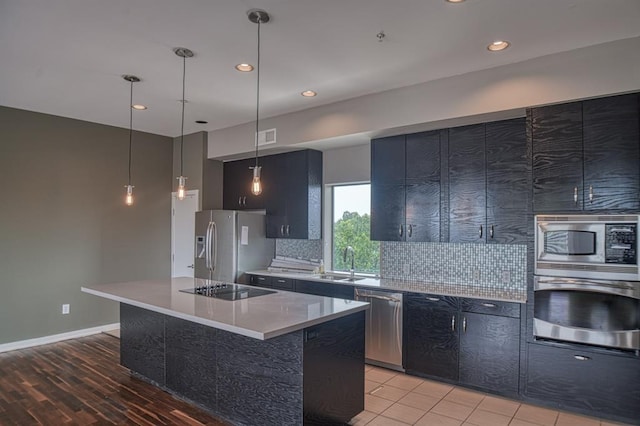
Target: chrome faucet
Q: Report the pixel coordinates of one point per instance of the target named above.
(348, 250)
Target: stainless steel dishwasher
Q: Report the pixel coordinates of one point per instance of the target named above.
(383, 327)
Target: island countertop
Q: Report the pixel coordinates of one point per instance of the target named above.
(260, 317)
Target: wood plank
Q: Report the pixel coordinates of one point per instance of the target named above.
(80, 381)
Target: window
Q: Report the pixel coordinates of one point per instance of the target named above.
(350, 227)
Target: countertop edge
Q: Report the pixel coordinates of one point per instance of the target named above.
(223, 326)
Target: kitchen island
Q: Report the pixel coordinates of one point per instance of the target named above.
(276, 359)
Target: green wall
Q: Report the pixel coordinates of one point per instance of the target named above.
(63, 222)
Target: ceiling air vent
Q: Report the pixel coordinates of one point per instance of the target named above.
(267, 137)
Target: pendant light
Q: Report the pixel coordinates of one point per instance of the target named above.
(184, 53)
(259, 17)
(128, 200)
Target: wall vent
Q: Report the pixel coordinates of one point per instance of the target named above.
(267, 137)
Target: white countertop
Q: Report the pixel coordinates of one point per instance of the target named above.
(504, 294)
(261, 317)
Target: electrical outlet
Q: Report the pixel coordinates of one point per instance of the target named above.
(65, 308)
(506, 277)
(476, 274)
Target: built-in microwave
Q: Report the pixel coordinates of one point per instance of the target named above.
(587, 246)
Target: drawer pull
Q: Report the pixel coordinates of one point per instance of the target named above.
(281, 281)
(489, 305)
(261, 278)
(433, 299)
(581, 357)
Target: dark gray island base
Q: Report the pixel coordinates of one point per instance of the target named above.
(309, 376)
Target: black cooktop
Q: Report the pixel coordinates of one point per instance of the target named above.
(225, 291)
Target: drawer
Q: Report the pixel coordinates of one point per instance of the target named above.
(577, 378)
(491, 307)
(282, 283)
(260, 280)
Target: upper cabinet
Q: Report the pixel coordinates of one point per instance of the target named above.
(294, 195)
(237, 186)
(488, 184)
(291, 192)
(586, 155)
(405, 187)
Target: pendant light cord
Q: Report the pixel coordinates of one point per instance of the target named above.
(130, 128)
(258, 92)
(184, 70)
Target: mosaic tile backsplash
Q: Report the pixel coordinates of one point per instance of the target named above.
(304, 249)
(479, 265)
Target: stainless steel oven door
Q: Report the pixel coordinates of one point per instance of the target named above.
(595, 312)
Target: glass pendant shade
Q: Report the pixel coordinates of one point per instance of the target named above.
(128, 200)
(256, 185)
(181, 187)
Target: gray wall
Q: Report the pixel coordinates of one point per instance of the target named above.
(203, 174)
(63, 222)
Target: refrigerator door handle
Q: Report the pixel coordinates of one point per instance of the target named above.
(208, 247)
(214, 256)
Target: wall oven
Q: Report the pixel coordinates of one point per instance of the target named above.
(587, 280)
(587, 246)
(595, 312)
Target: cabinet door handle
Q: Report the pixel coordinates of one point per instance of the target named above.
(480, 232)
(400, 230)
(581, 357)
(488, 305)
(464, 324)
(575, 195)
(287, 228)
(244, 201)
(433, 299)
(282, 230)
(239, 201)
(453, 323)
(590, 194)
(491, 232)
(410, 231)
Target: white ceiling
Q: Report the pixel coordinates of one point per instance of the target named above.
(66, 57)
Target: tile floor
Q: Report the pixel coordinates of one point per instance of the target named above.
(396, 399)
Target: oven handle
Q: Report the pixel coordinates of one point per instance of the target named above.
(585, 285)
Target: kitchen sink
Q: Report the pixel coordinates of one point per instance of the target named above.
(331, 277)
(351, 279)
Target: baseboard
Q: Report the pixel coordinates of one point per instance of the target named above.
(21, 344)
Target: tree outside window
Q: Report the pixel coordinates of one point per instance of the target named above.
(351, 225)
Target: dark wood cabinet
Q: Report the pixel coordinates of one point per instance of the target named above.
(611, 144)
(467, 186)
(470, 341)
(507, 174)
(405, 187)
(589, 381)
(490, 352)
(431, 342)
(586, 155)
(236, 194)
(294, 198)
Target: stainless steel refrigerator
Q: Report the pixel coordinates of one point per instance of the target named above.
(230, 243)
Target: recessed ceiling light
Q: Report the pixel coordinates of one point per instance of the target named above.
(308, 93)
(201, 122)
(138, 107)
(455, 1)
(244, 67)
(498, 45)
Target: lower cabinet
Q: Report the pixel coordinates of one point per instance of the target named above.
(468, 341)
(431, 343)
(592, 382)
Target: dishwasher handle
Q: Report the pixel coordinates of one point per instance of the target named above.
(360, 296)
